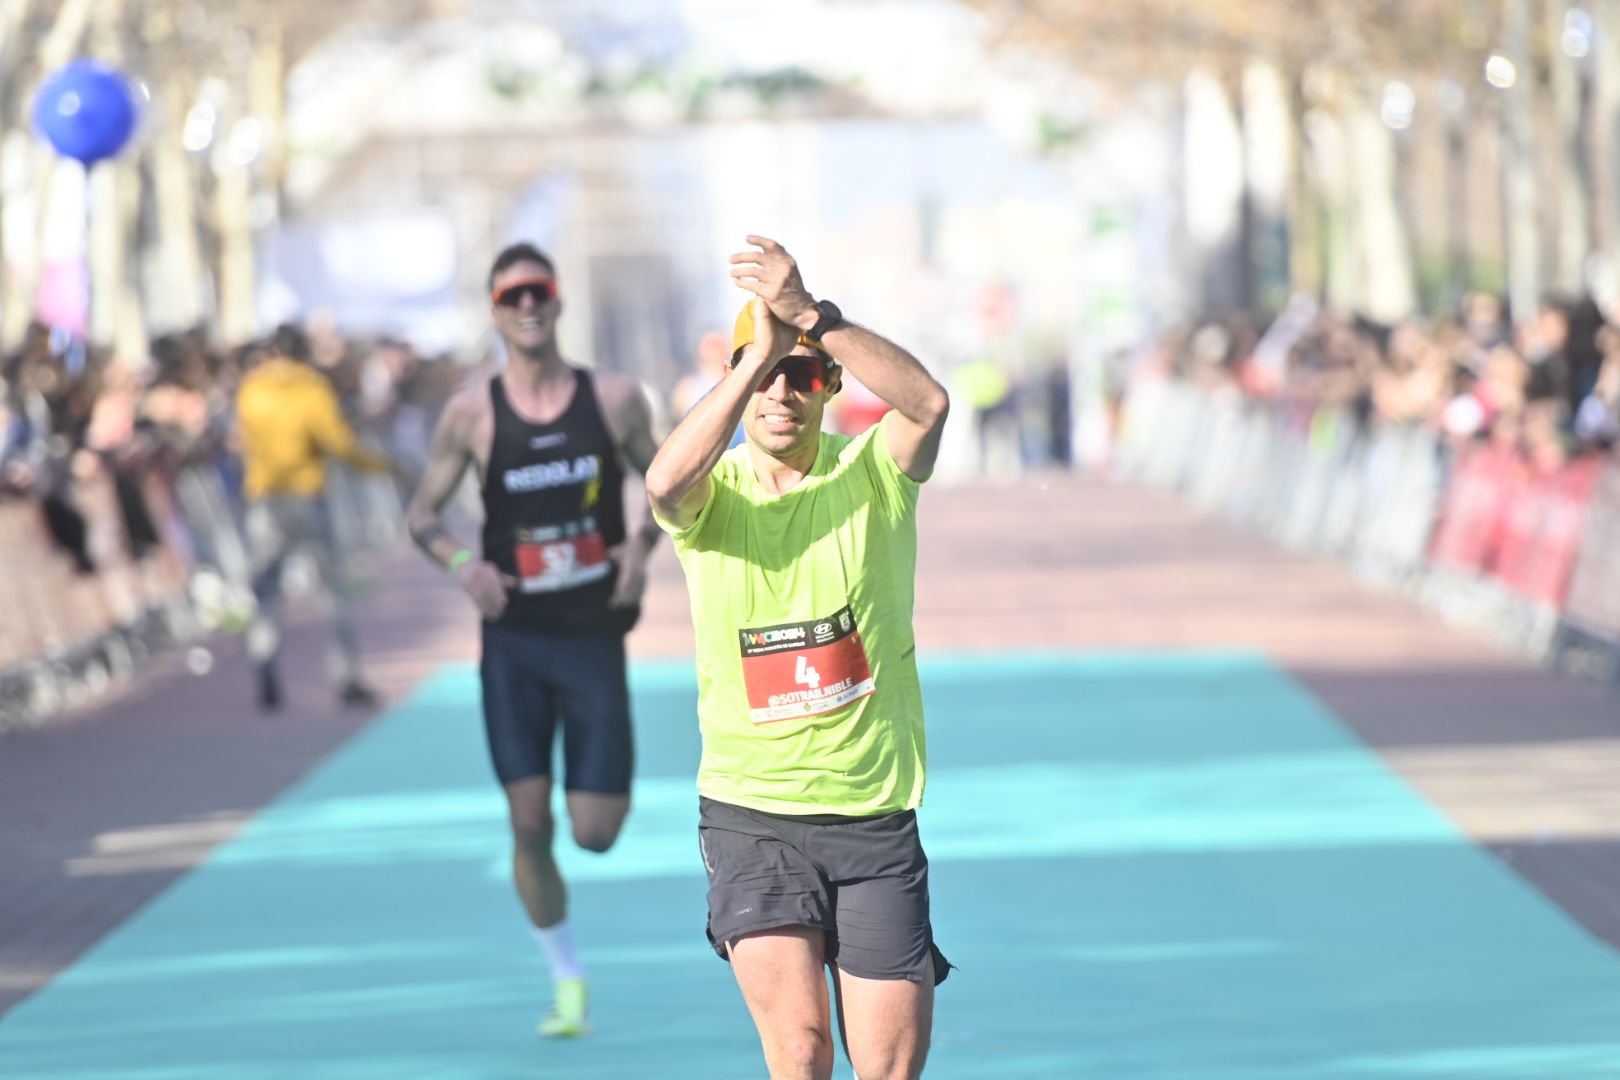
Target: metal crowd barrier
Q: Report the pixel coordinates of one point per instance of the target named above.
(65, 635)
(1480, 538)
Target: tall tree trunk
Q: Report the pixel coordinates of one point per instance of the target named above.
(1384, 288)
(116, 315)
(1212, 187)
(1336, 171)
(1603, 154)
(235, 179)
(1459, 238)
(233, 197)
(267, 96)
(1243, 243)
(177, 295)
(1524, 281)
(13, 18)
(1305, 268)
(1565, 156)
(1269, 155)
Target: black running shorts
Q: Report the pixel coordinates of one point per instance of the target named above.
(533, 680)
(864, 881)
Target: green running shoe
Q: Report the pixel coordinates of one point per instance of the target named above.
(566, 1018)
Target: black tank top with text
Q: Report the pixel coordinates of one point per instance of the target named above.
(553, 506)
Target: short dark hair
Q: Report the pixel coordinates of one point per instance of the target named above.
(523, 251)
(289, 340)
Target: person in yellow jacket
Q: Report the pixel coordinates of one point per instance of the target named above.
(290, 423)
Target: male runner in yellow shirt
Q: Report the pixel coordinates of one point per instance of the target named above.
(799, 550)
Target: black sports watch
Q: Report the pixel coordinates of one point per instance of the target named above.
(828, 317)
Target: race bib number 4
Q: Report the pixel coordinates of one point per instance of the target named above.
(553, 557)
(804, 669)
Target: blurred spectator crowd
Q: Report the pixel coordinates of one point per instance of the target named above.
(1549, 386)
(1471, 459)
(121, 493)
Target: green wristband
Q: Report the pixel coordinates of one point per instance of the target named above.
(458, 560)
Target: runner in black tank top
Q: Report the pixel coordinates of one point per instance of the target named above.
(554, 608)
(553, 507)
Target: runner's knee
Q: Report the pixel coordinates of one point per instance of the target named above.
(597, 836)
(532, 826)
(889, 1062)
(806, 1051)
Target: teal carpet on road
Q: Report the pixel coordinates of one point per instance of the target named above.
(1145, 865)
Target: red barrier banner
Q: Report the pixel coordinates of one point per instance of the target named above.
(1479, 492)
(1539, 532)
(1594, 590)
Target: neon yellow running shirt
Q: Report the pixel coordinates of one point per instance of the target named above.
(808, 699)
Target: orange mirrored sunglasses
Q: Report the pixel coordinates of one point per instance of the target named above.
(806, 374)
(511, 294)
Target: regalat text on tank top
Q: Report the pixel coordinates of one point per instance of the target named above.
(808, 698)
(553, 506)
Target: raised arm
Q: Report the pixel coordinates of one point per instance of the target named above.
(893, 374)
(678, 478)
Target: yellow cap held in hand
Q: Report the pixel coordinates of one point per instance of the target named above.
(743, 333)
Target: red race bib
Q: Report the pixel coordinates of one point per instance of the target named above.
(553, 557)
(804, 669)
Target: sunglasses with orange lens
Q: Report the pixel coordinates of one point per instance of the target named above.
(806, 374)
(537, 289)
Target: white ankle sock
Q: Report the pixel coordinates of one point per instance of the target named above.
(557, 942)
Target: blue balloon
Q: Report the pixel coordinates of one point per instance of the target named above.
(87, 110)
